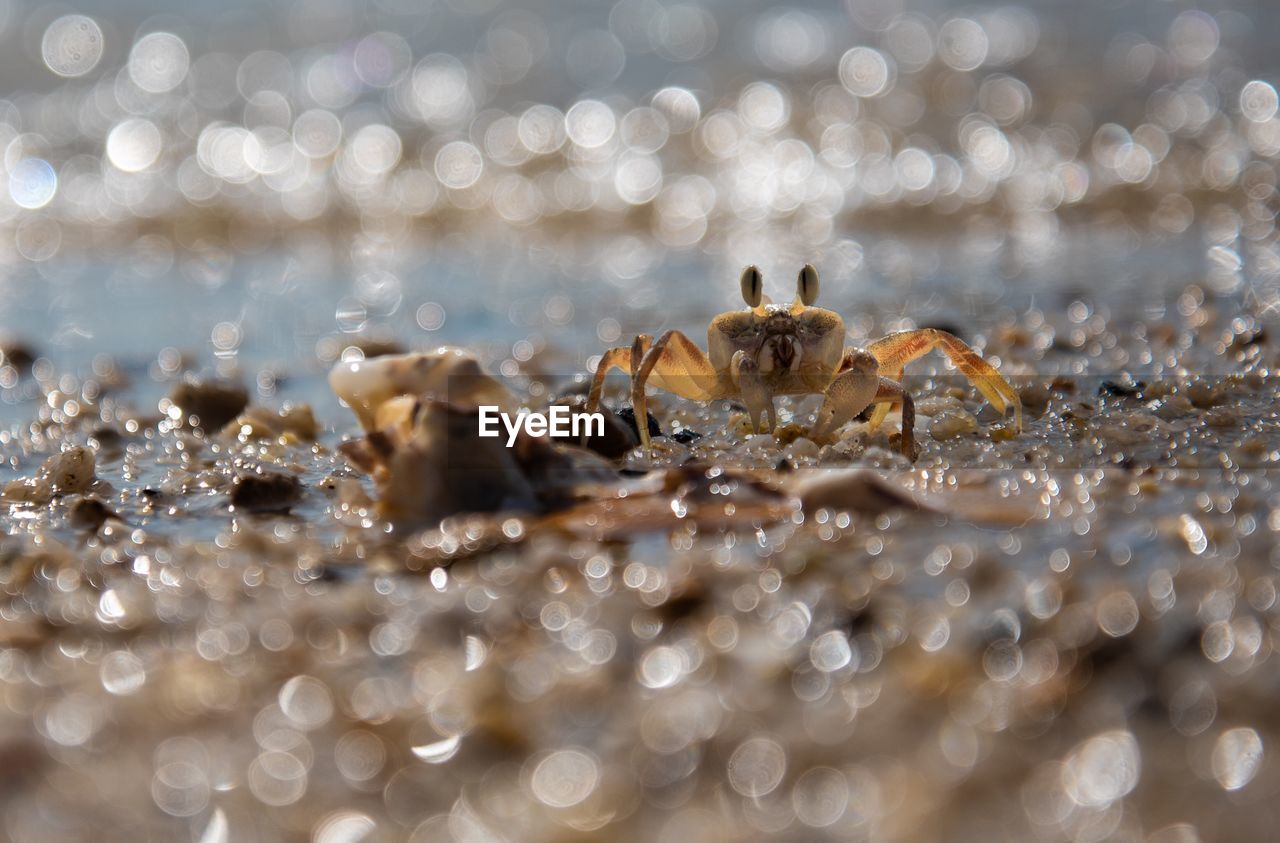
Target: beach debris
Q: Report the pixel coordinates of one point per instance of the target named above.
(17, 354)
(294, 421)
(1123, 386)
(423, 447)
(699, 497)
(65, 473)
(449, 374)
(619, 428)
(694, 496)
(428, 462)
(627, 415)
(266, 492)
(206, 404)
(952, 423)
(1205, 392)
(89, 512)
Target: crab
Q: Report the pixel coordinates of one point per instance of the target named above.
(797, 349)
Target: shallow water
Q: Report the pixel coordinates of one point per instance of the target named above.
(290, 310)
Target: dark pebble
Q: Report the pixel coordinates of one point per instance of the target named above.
(90, 513)
(628, 415)
(107, 439)
(213, 402)
(18, 355)
(1123, 387)
(270, 491)
(1063, 384)
(619, 433)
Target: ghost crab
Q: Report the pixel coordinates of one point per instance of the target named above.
(796, 349)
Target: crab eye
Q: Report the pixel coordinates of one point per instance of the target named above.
(807, 285)
(752, 286)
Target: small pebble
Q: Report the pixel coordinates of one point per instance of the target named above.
(65, 473)
(788, 433)
(17, 354)
(844, 450)
(104, 436)
(802, 448)
(1003, 433)
(209, 404)
(270, 491)
(685, 436)
(952, 423)
(70, 471)
(1204, 393)
(619, 435)
(1122, 387)
(936, 405)
(739, 425)
(90, 512)
(296, 421)
(1035, 398)
(627, 415)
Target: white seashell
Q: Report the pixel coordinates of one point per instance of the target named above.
(448, 374)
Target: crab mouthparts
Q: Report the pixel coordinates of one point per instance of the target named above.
(785, 353)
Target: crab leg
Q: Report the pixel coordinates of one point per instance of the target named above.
(622, 357)
(745, 373)
(676, 364)
(857, 386)
(890, 393)
(897, 350)
(853, 389)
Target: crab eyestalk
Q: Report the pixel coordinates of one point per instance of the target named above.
(806, 289)
(807, 285)
(752, 287)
